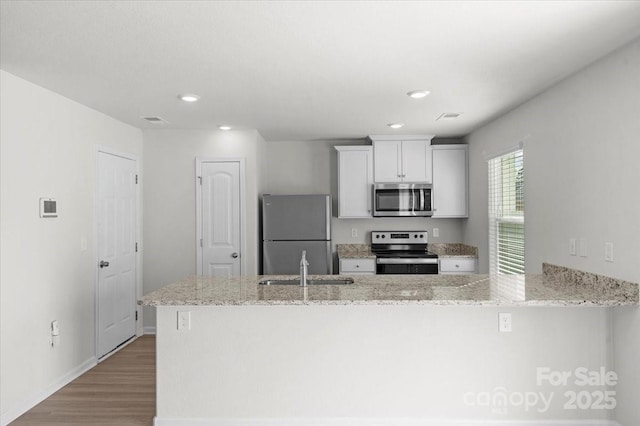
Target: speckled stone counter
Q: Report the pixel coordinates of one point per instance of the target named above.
(355, 251)
(555, 287)
(454, 250)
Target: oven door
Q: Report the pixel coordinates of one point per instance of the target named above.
(402, 199)
(391, 265)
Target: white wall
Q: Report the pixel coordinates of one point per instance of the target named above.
(581, 148)
(626, 348)
(48, 148)
(367, 364)
(311, 167)
(170, 204)
(581, 168)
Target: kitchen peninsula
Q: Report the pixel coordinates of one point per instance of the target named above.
(385, 349)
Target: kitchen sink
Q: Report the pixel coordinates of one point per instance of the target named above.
(341, 281)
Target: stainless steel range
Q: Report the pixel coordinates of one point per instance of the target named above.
(403, 252)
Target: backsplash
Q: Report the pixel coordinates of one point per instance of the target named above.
(453, 249)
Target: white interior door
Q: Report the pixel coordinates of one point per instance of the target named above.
(116, 251)
(220, 219)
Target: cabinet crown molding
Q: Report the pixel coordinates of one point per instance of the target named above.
(374, 138)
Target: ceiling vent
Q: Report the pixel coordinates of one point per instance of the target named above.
(155, 120)
(448, 115)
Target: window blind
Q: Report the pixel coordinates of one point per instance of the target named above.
(506, 214)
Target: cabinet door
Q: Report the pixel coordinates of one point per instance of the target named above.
(416, 161)
(355, 180)
(357, 266)
(457, 266)
(450, 181)
(387, 158)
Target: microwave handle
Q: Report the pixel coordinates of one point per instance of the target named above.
(423, 205)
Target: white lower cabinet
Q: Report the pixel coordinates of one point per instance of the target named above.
(357, 266)
(453, 265)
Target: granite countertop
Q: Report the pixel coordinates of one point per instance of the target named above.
(556, 286)
(455, 250)
(355, 251)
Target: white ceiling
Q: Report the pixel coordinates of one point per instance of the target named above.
(308, 70)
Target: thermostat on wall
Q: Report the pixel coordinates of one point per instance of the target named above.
(48, 207)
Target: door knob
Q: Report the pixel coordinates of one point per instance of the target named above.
(104, 264)
(234, 255)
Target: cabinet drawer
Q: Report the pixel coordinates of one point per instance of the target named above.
(457, 266)
(355, 266)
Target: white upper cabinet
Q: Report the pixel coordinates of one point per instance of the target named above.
(450, 181)
(402, 158)
(355, 181)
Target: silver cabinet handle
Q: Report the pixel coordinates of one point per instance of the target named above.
(234, 255)
(104, 264)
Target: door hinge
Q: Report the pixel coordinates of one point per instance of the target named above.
(136, 247)
(136, 315)
(200, 179)
(136, 179)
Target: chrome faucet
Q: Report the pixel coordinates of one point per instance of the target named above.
(304, 269)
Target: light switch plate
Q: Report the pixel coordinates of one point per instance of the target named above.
(572, 246)
(583, 247)
(608, 252)
(55, 328)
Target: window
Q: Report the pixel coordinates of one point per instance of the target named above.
(506, 214)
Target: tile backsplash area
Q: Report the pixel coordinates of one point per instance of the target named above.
(453, 249)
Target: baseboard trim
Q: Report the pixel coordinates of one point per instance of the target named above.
(158, 421)
(38, 397)
(149, 329)
(118, 349)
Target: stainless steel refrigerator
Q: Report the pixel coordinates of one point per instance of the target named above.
(291, 224)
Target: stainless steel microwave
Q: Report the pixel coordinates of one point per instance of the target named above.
(402, 199)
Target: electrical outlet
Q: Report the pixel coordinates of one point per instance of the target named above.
(55, 333)
(504, 322)
(354, 232)
(608, 252)
(184, 320)
(572, 246)
(436, 232)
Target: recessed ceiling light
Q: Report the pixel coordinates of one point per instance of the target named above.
(448, 115)
(395, 125)
(418, 94)
(189, 97)
(222, 127)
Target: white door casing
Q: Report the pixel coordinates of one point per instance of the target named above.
(116, 249)
(219, 217)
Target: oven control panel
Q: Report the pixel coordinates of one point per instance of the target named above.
(398, 237)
